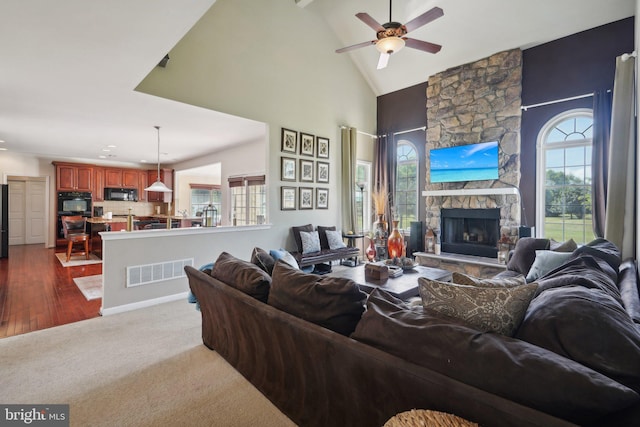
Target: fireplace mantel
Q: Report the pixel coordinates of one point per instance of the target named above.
(472, 192)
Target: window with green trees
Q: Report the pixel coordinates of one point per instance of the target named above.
(564, 177)
(406, 194)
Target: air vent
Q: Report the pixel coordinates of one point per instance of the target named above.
(153, 273)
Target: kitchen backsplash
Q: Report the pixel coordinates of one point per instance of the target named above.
(137, 208)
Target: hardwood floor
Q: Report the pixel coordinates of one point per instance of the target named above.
(37, 292)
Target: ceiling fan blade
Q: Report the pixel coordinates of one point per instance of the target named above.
(383, 61)
(364, 17)
(422, 45)
(355, 46)
(425, 18)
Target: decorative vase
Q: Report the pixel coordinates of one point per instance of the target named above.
(380, 227)
(395, 242)
(371, 251)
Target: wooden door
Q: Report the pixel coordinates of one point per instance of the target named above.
(17, 206)
(130, 178)
(35, 212)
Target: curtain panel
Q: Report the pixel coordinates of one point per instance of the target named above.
(349, 138)
(600, 159)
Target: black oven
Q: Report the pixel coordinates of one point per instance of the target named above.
(72, 203)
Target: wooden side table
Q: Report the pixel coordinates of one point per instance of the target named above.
(351, 243)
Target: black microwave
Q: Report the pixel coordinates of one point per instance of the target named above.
(121, 194)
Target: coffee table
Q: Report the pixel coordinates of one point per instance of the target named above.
(403, 287)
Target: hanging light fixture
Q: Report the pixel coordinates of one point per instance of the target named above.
(158, 185)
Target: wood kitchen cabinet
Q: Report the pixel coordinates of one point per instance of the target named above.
(98, 184)
(130, 178)
(71, 177)
(121, 178)
(143, 182)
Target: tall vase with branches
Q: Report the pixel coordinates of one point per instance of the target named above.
(380, 196)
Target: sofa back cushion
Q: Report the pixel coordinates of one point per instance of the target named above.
(505, 366)
(628, 285)
(322, 231)
(525, 254)
(263, 259)
(242, 275)
(332, 302)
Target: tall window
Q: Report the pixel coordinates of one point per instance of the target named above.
(203, 195)
(363, 196)
(564, 177)
(248, 200)
(406, 195)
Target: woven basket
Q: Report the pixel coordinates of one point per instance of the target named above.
(427, 418)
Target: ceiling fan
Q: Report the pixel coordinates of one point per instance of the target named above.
(391, 35)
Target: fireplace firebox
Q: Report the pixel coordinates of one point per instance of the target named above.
(470, 231)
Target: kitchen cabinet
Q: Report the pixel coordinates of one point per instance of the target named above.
(98, 184)
(71, 177)
(143, 182)
(130, 178)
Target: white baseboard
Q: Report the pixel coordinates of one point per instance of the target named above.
(143, 304)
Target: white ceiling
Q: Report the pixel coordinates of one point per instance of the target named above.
(69, 67)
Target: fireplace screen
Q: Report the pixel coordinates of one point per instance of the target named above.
(470, 231)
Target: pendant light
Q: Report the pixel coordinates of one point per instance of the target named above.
(158, 185)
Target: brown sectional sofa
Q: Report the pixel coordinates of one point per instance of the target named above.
(400, 358)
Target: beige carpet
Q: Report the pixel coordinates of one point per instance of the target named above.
(90, 286)
(142, 368)
(76, 260)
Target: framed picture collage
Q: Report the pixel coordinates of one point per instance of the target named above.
(303, 163)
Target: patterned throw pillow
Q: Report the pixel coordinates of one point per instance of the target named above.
(310, 241)
(334, 238)
(503, 282)
(498, 310)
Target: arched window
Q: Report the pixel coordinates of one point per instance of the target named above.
(564, 177)
(406, 194)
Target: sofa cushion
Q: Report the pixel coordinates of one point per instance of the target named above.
(545, 262)
(334, 239)
(322, 230)
(281, 254)
(628, 285)
(296, 234)
(496, 282)
(486, 309)
(511, 368)
(525, 254)
(310, 242)
(332, 302)
(586, 325)
(263, 259)
(242, 275)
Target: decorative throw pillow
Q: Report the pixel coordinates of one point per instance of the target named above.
(310, 241)
(332, 302)
(334, 239)
(242, 275)
(296, 234)
(525, 253)
(502, 282)
(284, 256)
(263, 259)
(322, 231)
(567, 246)
(487, 309)
(545, 262)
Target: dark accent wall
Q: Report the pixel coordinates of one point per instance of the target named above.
(575, 65)
(571, 66)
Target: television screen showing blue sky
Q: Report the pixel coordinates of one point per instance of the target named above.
(471, 162)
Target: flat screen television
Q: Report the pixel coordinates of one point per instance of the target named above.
(472, 162)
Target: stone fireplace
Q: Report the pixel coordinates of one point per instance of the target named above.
(477, 102)
(470, 231)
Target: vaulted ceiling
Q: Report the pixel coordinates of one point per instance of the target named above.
(69, 67)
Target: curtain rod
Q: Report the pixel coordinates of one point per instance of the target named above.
(360, 132)
(409, 130)
(556, 101)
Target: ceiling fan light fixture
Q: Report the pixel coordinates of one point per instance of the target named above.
(158, 185)
(390, 45)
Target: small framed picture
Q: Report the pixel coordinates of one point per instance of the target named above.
(306, 170)
(322, 147)
(306, 144)
(289, 141)
(287, 169)
(322, 172)
(287, 198)
(306, 198)
(322, 198)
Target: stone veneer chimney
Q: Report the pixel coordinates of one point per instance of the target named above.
(478, 102)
